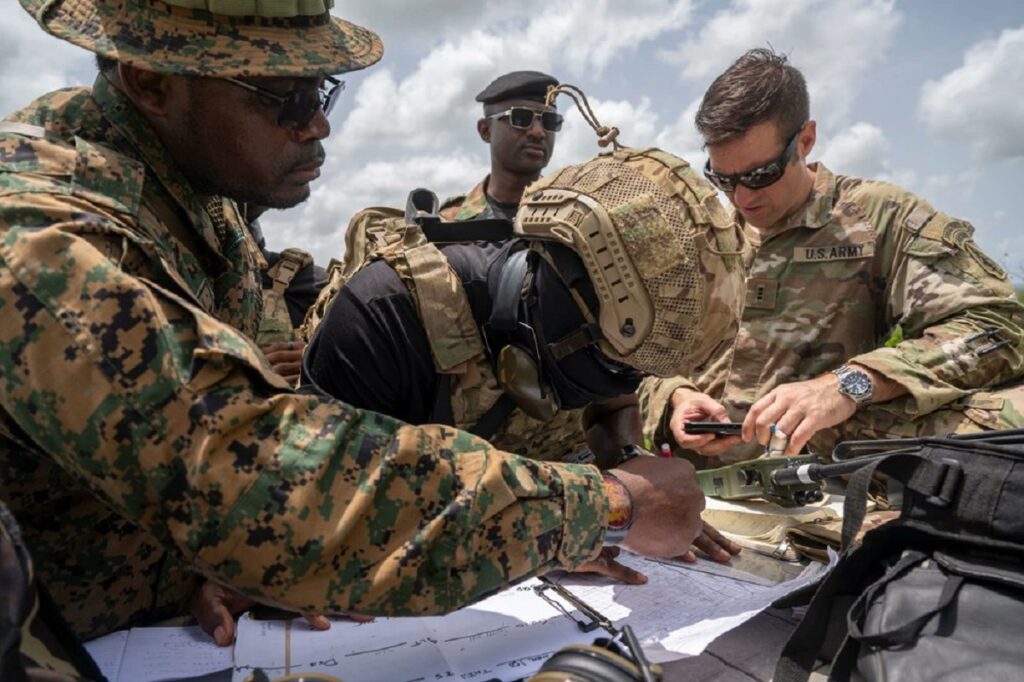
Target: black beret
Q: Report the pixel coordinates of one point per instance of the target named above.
(517, 85)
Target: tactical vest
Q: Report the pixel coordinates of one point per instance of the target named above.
(369, 230)
(276, 325)
(466, 377)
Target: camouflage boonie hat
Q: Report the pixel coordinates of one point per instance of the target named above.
(218, 38)
(661, 252)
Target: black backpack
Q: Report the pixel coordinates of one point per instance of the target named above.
(938, 593)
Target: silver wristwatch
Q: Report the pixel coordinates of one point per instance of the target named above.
(855, 385)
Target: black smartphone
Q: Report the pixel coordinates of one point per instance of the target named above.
(717, 428)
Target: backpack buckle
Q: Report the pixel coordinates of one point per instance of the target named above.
(952, 474)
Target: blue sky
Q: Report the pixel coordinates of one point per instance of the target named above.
(926, 94)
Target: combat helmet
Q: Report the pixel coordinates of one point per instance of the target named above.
(220, 38)
(661, 252)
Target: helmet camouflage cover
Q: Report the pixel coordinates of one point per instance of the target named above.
(661, 252)
(220, 38)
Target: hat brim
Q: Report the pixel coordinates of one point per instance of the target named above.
(196, 43)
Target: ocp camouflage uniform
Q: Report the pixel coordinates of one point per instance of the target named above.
(865, 262)
(143, 436)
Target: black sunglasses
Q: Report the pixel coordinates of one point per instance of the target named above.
(523, 117)
(298, 107)
(755, 178)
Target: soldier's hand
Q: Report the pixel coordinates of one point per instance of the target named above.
(800, 410)
(606, 564)
(286, 359)
(718, 547)
(667, 503)
(214, 607)
(691, 406)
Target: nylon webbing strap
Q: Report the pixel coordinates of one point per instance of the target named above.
(492, 230)
(493, 418)
(937, 481)
(505, 314)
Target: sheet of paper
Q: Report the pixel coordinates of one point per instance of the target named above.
(394, 649)
(108, 651)
(505, 637)
(153, 654)
(680, 611)
(509, 636)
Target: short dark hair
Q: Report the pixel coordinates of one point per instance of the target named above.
(759, 86)
(105, 64)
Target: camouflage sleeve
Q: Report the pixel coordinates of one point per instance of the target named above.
(955, 315)
(656, 407)
(171, 418)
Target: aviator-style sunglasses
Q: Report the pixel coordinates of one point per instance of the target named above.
(298, 107)
(755, 178)
(522, 118)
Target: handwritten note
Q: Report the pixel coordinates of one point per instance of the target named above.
(154, 654)
(505, 637)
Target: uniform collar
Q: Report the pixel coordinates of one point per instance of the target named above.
(814, 214)
(122, 114)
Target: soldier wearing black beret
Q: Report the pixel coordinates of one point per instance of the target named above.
(520, 130)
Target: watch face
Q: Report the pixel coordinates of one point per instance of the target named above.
(856, 384)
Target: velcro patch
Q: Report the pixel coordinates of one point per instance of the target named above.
(762, 293)
(824, 254)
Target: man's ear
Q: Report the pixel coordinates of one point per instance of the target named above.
(153, 93)
(483, 128)
(808, 136)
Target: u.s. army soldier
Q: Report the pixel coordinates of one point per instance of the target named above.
(136, 416)
(869, 313)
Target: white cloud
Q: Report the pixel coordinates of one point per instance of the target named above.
(862, 150)
(833, 42)
(318, 225)
(32, 62)
(433, 105)
(982, 102)
(681, 137)
(577, 142)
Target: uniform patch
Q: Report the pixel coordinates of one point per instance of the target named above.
(987, 263)
(762, 293)
(822, 254)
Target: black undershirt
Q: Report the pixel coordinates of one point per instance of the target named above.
(371, 350)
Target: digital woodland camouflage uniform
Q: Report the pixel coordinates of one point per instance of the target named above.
(143, 437)
(865, 262)
(469, 206)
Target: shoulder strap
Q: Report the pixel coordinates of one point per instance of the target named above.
(287, 266)
(485, 230)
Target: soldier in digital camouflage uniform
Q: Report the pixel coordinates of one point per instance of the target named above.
(520, 149)
(144, 438)
(869, 314)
